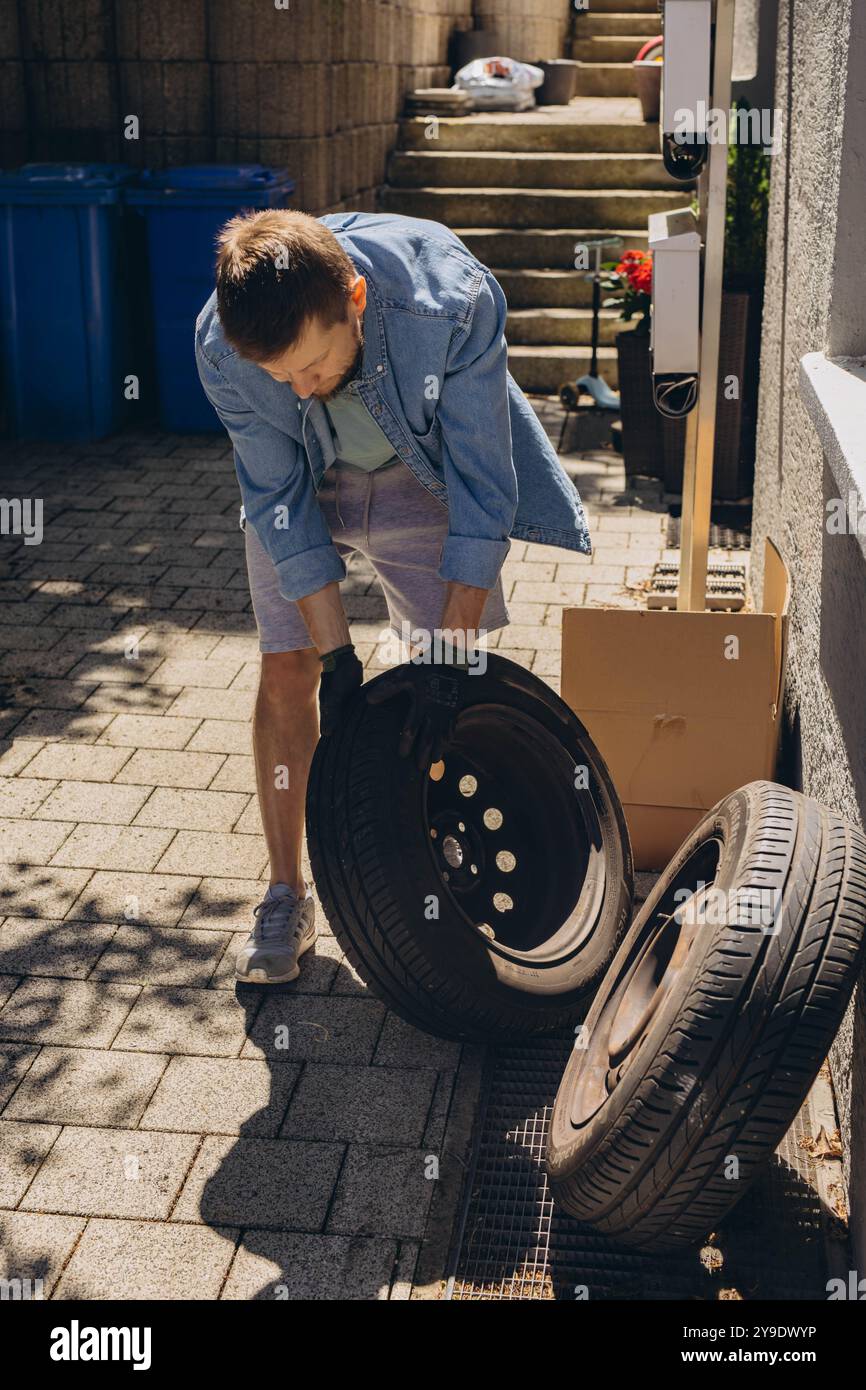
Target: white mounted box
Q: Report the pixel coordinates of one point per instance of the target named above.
(687, 28)
(675, 325)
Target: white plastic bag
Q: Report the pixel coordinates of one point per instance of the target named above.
(499, 84)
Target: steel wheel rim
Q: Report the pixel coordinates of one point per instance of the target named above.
(644, 983)
(497, 826)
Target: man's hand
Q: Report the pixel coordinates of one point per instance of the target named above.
(434, 695)
(342, 675)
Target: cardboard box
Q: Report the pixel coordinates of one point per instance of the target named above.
(684, 707)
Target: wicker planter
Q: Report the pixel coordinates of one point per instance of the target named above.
(736, 420)
(641, 422)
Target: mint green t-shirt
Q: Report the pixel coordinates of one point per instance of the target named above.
(357, 438)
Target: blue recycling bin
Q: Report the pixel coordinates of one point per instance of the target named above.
(68, 354)
(184, 208)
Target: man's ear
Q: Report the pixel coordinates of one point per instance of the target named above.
(358, 294)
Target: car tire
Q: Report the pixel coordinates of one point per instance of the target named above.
(713, 1020)
(486, 897)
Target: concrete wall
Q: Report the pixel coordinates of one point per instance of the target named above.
(812, 278)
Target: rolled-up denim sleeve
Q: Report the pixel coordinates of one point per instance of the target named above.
(276, 490)
(476, 446)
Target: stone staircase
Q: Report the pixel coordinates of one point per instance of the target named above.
(523, 190)
(605, 41)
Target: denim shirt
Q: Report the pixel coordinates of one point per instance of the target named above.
(434, 376)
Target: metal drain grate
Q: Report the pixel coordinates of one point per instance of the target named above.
(730, 528)
(513, 1244)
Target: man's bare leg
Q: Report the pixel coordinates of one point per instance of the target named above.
(285, 732)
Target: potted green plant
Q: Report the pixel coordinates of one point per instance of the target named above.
(628, 282)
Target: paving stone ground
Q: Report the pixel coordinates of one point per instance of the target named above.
(155, 1142)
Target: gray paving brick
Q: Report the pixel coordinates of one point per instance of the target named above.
(382, 1191)
(39, 892)
(269, 1183)
(32, 842)
(16, 753)
(216, 1096)
(270, 1264)
(234, 704)
(237, 774)
(80, 726)
(374, 1105)
(192, 810)
(221, 736)
(112, 1172)
(82, 1086)
(225, 903)
(142, 1260)
(72, 762)
(157, 900)
(401, 1045)
(20, 796)
(315, 1028)
(66, 1012)
(15, 1060)
(203, 675)
(104, 803)
(33, 946)
(113, 847)
(36, 1247)
(195, 1022)
(8, 985)
(22, 1148)
(149, 731)
(155, 767)
(151, 955)
(215, 854)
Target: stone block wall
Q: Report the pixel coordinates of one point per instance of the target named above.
(317, 85)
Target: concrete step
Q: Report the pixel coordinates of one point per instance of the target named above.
(606, 80)
(608, 48)
(557, 328)
(532, 207)
(548, 128)
(544, 289)
(546, 249)
(544, 369)
(631, 7)
(593, 25)
(483, 170)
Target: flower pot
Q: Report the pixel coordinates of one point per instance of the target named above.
(560, 82)
(641, 422)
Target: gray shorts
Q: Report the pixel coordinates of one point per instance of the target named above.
(389, 517)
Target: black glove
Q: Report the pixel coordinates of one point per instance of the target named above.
(342, 674)
(433, 705)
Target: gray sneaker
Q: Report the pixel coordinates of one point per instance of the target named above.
(285, 928)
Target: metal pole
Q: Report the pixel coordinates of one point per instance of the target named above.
(700, 435)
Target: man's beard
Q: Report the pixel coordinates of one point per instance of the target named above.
(351, 371)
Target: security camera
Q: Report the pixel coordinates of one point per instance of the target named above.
(687, 29)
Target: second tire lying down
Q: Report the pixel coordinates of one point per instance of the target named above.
(713, 1021)
(485, 897)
